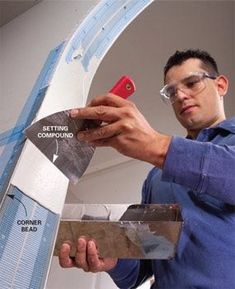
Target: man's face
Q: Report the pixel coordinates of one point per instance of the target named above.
(200, 110)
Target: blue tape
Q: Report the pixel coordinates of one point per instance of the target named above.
(102, 37)
(80, 34)
(91, 25)
(99, 31)
(115, 27)
(12, 141)
(10, 135)
(101, 19)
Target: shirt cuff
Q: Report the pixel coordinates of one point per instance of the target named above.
(125, 272)
(186, 163)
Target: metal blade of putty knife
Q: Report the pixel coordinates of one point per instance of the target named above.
(55, 136)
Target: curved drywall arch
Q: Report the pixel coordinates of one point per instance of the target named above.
(35, 179)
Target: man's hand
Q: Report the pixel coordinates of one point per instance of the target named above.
(87, 257)
(125, 129)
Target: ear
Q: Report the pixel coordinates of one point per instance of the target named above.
(222, 85)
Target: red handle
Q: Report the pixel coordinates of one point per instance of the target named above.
(124, 87)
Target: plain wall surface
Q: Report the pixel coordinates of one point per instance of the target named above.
(141, 51)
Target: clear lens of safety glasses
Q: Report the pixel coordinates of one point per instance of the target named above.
(192, 85)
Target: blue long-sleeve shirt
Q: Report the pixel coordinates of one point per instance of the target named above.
(200, 176)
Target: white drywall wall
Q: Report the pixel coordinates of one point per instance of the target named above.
(25, 44)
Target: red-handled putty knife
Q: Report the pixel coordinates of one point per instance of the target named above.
(55, 136)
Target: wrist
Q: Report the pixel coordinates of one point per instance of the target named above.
(158, 149)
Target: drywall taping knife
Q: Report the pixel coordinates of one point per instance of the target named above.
(55, 136)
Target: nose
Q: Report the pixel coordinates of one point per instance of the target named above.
(181, 94)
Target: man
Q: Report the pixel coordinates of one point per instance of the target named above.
(196, 172)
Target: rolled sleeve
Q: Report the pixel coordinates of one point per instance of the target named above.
(202, 167)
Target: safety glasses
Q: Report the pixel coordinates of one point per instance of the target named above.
(193, 84)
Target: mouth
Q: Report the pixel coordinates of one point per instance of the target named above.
(187, 109)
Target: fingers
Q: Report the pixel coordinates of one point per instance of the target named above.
(108, 100)
(97, 113)
(103, 132)
(87, 257)
(104, 108)
(93, 257)
(64, 258)
(111, 110)
(80, 257)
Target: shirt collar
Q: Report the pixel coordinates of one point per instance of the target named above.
(228, 124)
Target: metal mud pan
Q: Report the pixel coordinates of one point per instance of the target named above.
(123, 231)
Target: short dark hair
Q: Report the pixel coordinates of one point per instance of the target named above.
(208, 62)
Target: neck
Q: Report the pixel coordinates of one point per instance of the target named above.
(193, 133)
